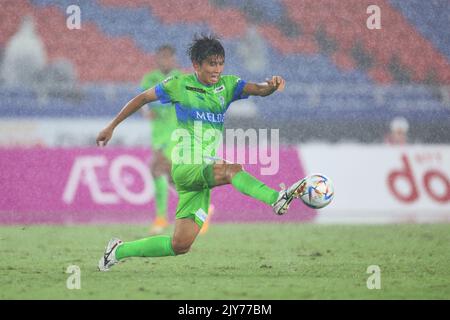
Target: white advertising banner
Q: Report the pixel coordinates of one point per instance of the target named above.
(381, 184)
(69, 132)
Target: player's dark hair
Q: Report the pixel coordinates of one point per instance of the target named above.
(204, 46)
(167, 47)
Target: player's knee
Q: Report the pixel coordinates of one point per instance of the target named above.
(180, 247)
(156, 170)
(153, 171)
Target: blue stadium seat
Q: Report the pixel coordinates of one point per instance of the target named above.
(431, 18)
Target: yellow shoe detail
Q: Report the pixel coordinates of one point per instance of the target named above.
(158, 226)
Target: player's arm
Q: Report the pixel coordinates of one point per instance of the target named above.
(131, 107)
(265, 88)
(148, 82)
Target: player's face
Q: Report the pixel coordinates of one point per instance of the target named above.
(165, 61)
(209, 71)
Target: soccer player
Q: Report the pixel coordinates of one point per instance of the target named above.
(200, 100)
(163, 121)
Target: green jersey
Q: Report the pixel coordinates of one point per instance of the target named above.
(200, 111)
(165, 120)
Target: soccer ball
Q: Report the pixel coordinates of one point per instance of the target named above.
(317, 192)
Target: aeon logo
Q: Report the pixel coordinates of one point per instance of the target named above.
(404, 183)
(83, 172)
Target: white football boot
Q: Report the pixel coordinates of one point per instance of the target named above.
(285, 197)
(109, 257)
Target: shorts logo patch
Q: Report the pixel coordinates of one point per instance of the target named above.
(201, 214)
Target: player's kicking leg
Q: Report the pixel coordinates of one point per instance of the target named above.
(286, 196)
(225, 173)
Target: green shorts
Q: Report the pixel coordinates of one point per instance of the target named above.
(193, 183)
(161, 141)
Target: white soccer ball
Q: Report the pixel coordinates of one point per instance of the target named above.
(318, 191)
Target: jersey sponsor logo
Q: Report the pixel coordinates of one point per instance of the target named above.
(195, 89)
(186, 113)
(208, 116)
(219, 89)
(222, 101)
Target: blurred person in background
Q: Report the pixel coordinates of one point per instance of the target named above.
(253, 51)
(163, 121)
(24, 56)
(398, 134)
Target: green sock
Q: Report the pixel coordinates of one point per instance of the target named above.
(157, 246)
(161, 195)
(249, 185)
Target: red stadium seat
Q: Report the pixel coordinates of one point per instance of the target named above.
(95, 54)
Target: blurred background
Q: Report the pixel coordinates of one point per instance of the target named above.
(351, 91)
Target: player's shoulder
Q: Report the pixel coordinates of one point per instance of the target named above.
(230, 79)
(185, 76)
(173, 79)
(183, 79)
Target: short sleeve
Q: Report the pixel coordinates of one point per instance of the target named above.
(235, 87)
(238, 90)
(166, 91)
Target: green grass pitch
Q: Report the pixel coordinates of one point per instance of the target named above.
(233, 261)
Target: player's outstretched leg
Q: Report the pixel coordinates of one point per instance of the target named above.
(249, 185)
(286, 196)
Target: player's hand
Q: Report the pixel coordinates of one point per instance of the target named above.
(276, 83)
(104, 136)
